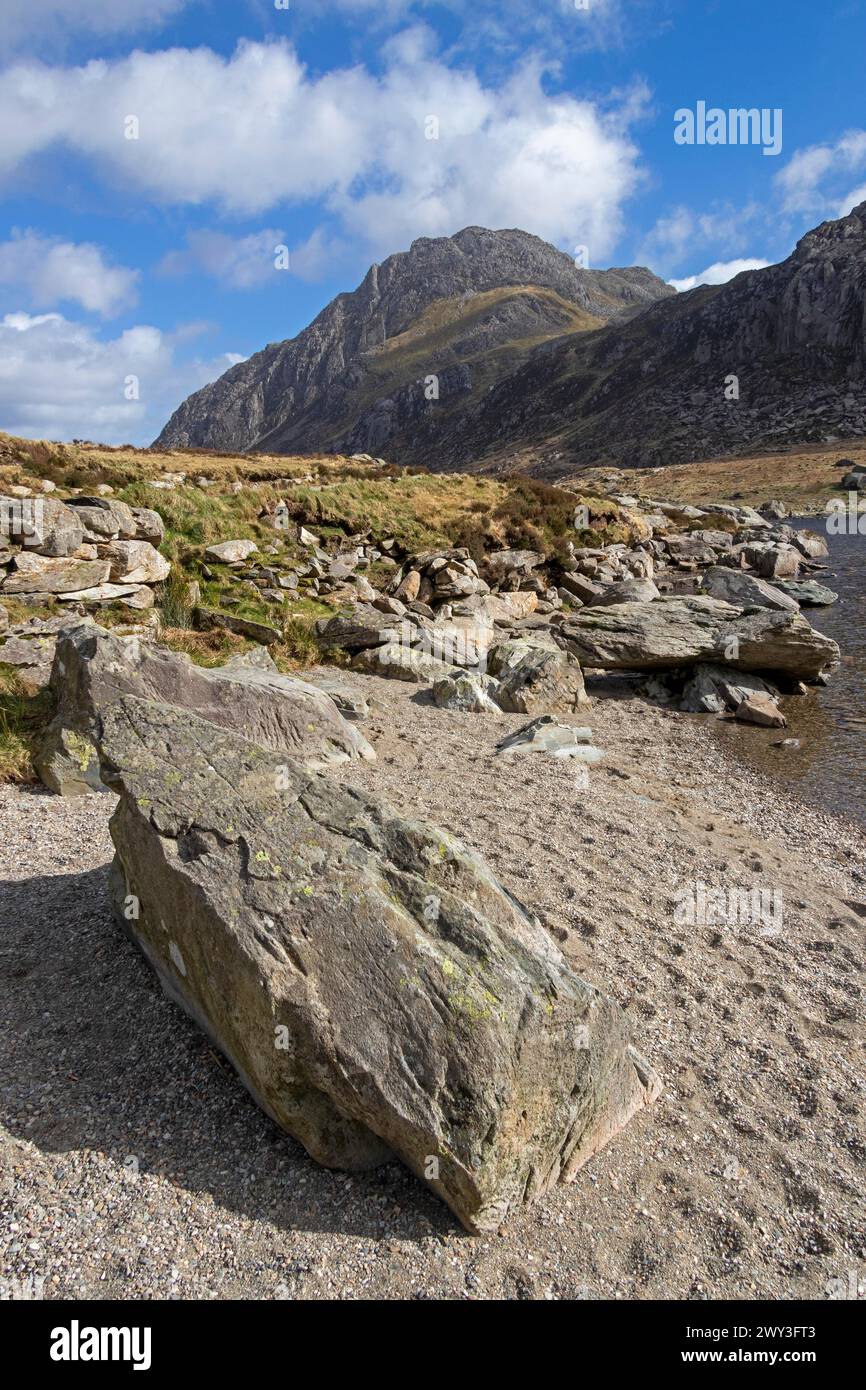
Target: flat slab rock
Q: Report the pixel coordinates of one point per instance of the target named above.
(682, 631)
(548, 735)
(372, 983)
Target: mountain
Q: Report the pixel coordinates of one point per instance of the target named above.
(652, 390)
(547, 368)
(469, 309)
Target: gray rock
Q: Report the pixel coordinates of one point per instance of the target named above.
(746, 590)
(230, 552)
(402, 662)
(540, 681)
(130, 595)
(811, 544)
(93, 668)
(32, 658)
(807, 592)
(626, 591)
(501, 563)
(681, 631)
(581, 587)
(363, 626)
(374, 987)
(349, 699)
(470, 691)
(135, 562)
(548, 735)
(59, 530)
(40, 574)
(779, 562)
(714, 688)
(149, 525)
(105, 519)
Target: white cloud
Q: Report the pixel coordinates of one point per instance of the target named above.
(499, 26)
(248, 262)
(851, 200)
(257, 130)
(719, 273)
(49, 22)
(815, 178)
(50, 271)
(59, 380)
(683, 231)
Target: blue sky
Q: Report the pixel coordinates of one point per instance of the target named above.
(133, 270)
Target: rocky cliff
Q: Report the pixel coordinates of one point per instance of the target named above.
(468, 308)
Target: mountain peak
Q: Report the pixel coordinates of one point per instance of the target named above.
(310, 392)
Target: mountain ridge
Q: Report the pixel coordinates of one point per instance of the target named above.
(299, 392)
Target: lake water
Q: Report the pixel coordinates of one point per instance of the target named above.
(830, 766)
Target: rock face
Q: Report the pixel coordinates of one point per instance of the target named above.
(646, 392)
(92, 669)
(375, 988)
(642, 391)
(320, 389)
(683, 631)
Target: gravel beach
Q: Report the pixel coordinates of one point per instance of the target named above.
(135, 1165)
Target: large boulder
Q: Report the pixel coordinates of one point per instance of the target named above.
(149, 525)
(471, 692)
(779, 562)
(402, 662)
(362, 626)
(811, 544)
(537, 679)
(375, 988)
(230, 552)
(808, 593)
(682, 631)
(93, 668)
(500, 564)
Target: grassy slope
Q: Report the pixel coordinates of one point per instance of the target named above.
(804, 479)
(432, 342)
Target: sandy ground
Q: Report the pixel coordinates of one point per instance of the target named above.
(134, 1165)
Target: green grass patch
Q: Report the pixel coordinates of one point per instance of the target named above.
(22, 718)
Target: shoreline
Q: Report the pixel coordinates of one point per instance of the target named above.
(140, 1167)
